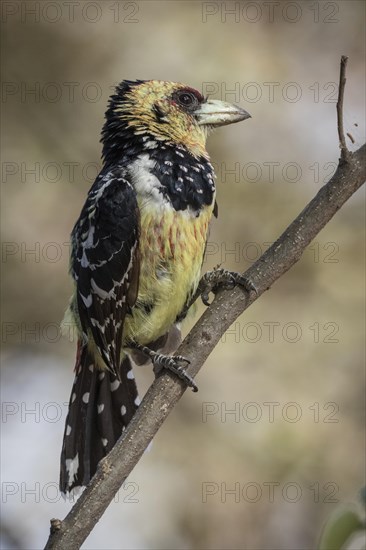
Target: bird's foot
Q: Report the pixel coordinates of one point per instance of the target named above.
(218, 278)
(173, 363)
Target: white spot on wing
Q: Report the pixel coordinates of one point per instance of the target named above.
(86, 397)
(84, 260)
(100, 292)
(75, 492)
(115, 385)
(88, 300)
(96, 323)
(72, 466)
(90, 240)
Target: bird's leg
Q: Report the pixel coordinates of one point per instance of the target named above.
(218, 278)
(212, 281)
(169, 362)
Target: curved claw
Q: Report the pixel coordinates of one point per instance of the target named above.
(193, 385)
(172, 363)
(183, 375)
(205, 297)
(219, 277)
(181, 358)
(169, 362)
(247, 284)
(181, 372)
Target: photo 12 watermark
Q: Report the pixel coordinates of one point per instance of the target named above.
(35, 492)
(37, 332)
(270, 12)
(269, 412)
(28, 11)
(289, 332)
(49, 172)
(25, 412)
(241, 252)
(268, 491)
(274, 172)
(272, 91)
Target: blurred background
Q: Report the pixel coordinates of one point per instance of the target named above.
(273, 442)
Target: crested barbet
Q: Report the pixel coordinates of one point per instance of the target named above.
(136, 256)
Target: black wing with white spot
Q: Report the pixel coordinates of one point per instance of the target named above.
(105, 262)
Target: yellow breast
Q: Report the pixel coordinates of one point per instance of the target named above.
(172, 245)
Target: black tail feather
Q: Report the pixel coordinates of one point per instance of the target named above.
(101, 405)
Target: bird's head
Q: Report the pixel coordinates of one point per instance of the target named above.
(162, 111)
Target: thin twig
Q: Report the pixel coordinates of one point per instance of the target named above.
(166, 390)
(342, 84)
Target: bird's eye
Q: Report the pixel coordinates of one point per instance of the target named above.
(187, 99)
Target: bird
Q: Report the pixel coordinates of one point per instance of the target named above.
(137, 250)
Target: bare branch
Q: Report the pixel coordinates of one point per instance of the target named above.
(166, 391)
(342, 84)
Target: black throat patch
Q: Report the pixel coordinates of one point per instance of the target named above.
(186, 182)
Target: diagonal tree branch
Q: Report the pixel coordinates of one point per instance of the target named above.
(166, 390)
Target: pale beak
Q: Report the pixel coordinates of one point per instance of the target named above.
(219, 113)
